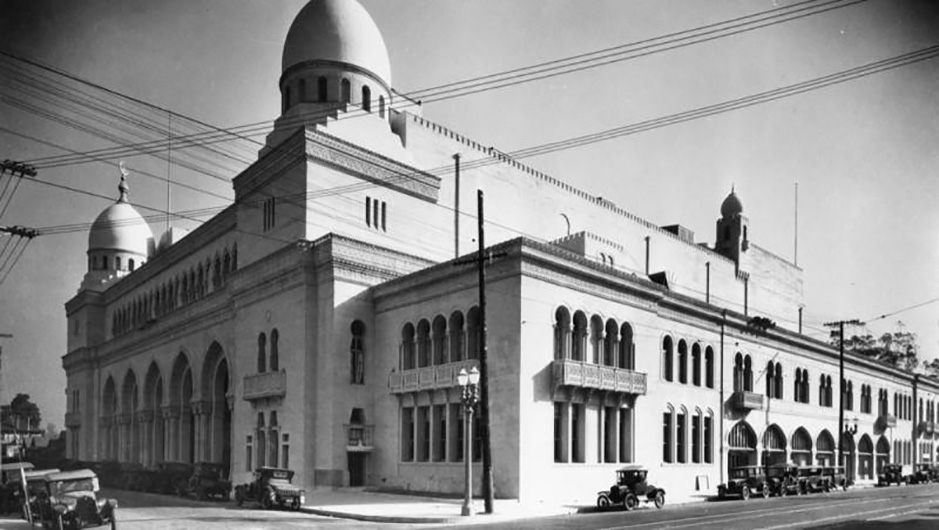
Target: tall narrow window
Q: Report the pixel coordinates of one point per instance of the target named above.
(366, 98)
(381, 106)
(667, 358)
(262, 354)
(709, 367)
(708, 455)
(423, 433)
(346, 91)
(301, 92)
(682, 435)
(285, 452)
(407, 434)
(440, 433)
(696, 438)
(249, 453)
(368, 211)
(682, 362)
(275, 357)
(559, 440)
(322, 94)
(286, 98)
(696, 365)
(357, 353)
(577, 433)
(667, 436)
(384, 216)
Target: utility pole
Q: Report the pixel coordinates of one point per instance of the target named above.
(840, 325)
(25, 170)
(2, 336)
(488, 492)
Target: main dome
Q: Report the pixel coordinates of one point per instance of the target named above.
(337, 30)
(120, 227)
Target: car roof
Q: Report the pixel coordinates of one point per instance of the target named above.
(10, 466)
(633, 467)
(71, 475)
(36, 473)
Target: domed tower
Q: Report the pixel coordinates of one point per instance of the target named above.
(119, 241)
(334, 60)
(732, 228)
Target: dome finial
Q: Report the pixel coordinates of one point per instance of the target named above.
(123, 187)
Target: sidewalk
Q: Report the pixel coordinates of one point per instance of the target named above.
(363, 505)
(10, 522)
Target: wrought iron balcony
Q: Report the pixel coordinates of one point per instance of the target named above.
(73, 419)
(265, 385)
(568, 372)
(429, 377)
(744, 400)
(359, 438)
(887, 421)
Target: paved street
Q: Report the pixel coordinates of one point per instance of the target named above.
(909, 508)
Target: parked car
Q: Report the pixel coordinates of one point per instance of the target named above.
(272, 488)
(784, 480)
(924, 473)
(170, 478)
(70, 500)
(745, 481)
(812, 480)
(835, 477)
(891, 474)
(11, 486)
(630, 489)
(208, 479)
(35, 488)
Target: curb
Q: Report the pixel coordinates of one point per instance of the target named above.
(381, 518)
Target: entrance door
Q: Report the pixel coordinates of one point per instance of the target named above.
(357, 468)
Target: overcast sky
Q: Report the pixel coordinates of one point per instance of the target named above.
(864, 152)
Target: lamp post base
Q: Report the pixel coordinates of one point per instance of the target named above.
(468, 510)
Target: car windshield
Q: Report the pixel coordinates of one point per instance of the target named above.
(776, 472)
(70, 486)
(742, 472)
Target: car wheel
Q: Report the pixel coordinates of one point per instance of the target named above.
(603, 502)
(660, 499)
(630, 502)
(268, 500)
(239, 497)
(296, 504)
(764, 492)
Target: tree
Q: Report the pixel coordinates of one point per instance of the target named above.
(932, 368)
(22, 413)
(898, 349)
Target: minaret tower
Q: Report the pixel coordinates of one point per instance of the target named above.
(732, 239)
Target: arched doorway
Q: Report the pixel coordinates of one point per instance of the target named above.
(129, 427)
(825, 449)
(153, 445)
(181, 421)
(109, 420)
(801, 448)
(774, 446)
(848, 457)
(882, 456)
(216, 419)
(741, 446)
(865, 453)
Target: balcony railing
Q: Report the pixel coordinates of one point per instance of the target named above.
(265, 385)
(743, 400)
(585, 375)
(73, 419)
(359, 438)
(927, 427)
(887, 421)
(428, 378)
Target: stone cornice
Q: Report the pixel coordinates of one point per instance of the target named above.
(270, 165)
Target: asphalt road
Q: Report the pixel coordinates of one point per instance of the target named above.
(906, 507)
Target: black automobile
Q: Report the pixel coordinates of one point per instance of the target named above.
(784, 480)
(891, 474)
(924, 474)
(208, 479)
(813, 479)
(70, 500)
(835, 478)
(11, 486)
(745, 481)
(171, 478)
(630, 489)
(272, 488)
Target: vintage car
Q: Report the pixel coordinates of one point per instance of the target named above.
(11, 487)
(70, 501)
(835, 478)
(813, 479)
(745, 481)
(630, 489)
(924, 474)
(35, 490)
(169, 477)
(272, 488)
(784, 480)
(208, 479)
(891, 474)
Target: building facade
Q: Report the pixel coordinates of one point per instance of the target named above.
(319, 322)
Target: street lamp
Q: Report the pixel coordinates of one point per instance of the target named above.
(470, 383)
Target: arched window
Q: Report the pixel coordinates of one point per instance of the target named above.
(322, 92)
(104, 262)
(130, 264)
(286, 98)
(457, 339)
(357, 353)
(346, 89)
(696, 364)
(849, 396)
(472, 333)
(667, 437)
(579, 339)
(117, 262)
(610, 344)
(771, 380)
(747, 374)
(682, 362)
(627, 350)
(778, 381)
(217, 273)
(667, 354)
(423, 343)
(709, 367)
(301, 91)
(797, 386)
(596, 339)
(366, 98)
(440, 340)
(262, 355)
(738, 372)
(275, 356)
(408, 357)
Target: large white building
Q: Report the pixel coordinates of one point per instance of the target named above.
(318, 323)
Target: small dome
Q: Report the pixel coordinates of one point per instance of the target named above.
(337, 30)
(120, 227)
(731, 206)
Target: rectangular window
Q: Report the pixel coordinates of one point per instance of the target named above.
(610, 430)
(268, 213)
(456, 432)
(625, 435)
(559, 433)
(423, 433)
(577, 433)
(708, 455)
(285, 452)
(375, 208)
(249, 453)
(477, 439)
(384, 216)
(368, 211)
(696, 438)
(407, 434)
(440, 433)
(667, 437)
(682, 437)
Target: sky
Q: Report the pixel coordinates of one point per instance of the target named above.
(863, 152)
